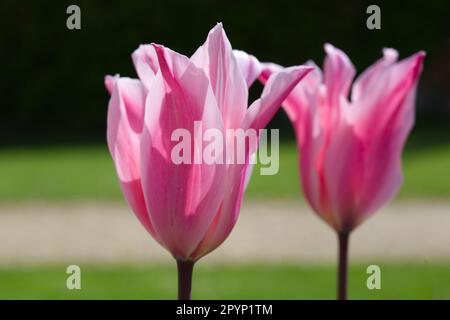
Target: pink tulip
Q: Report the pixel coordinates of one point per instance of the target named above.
(350, 148)
(189, 209)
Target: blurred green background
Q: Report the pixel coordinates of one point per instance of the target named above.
(53, 89)
(87, 173)
(53, 124)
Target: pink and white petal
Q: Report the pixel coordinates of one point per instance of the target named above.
(308, 150)
(312, 144)
(338, 74)
(383, 166)
(309, 83)
(368, 78)
(384, 127)
(110, 82)
(301, 94)
(219, 63)
(228, 213)
(249, 169)
(277, 88)
(182, 198)
(250, 67)
(343, 171)
(236, 181)
(382, 99)
(313, 139)
(125, 112)
(146, 63)
(268, 68)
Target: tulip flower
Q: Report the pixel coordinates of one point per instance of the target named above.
(350, 148)
(188, 208)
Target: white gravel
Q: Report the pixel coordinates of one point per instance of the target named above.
(268, 231)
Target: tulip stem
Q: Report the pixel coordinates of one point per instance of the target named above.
(184, 279)
(343, 265)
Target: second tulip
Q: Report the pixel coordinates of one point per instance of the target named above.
(350, 148)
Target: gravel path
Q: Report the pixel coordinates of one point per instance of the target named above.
(266, 231)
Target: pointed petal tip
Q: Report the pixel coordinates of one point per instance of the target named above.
(268, 69)
(301, 70)
(416, 62)
(217, 28)
(306, 67)
(110, 81)
(157, 46)
(390, 54)
(328, 47)
(419, 57)
(159, 49)
(139, 51)
(393, 54)
(163, 62)
(334, 52)
(421, 54)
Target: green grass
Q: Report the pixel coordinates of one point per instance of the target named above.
(79, 173)
(402, 281)
(57, 174)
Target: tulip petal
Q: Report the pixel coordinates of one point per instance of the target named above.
(250, 67)
(228, 213)
(370, 75)
(277, 88)
(338, 74)
(387, 94)
(219, 63)
(268, 69)
(146, 63)
(301, 96)
(182, 198)
(110, 82)
(342, 171)
(385, 132)
(125, 117)
(310, 139)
